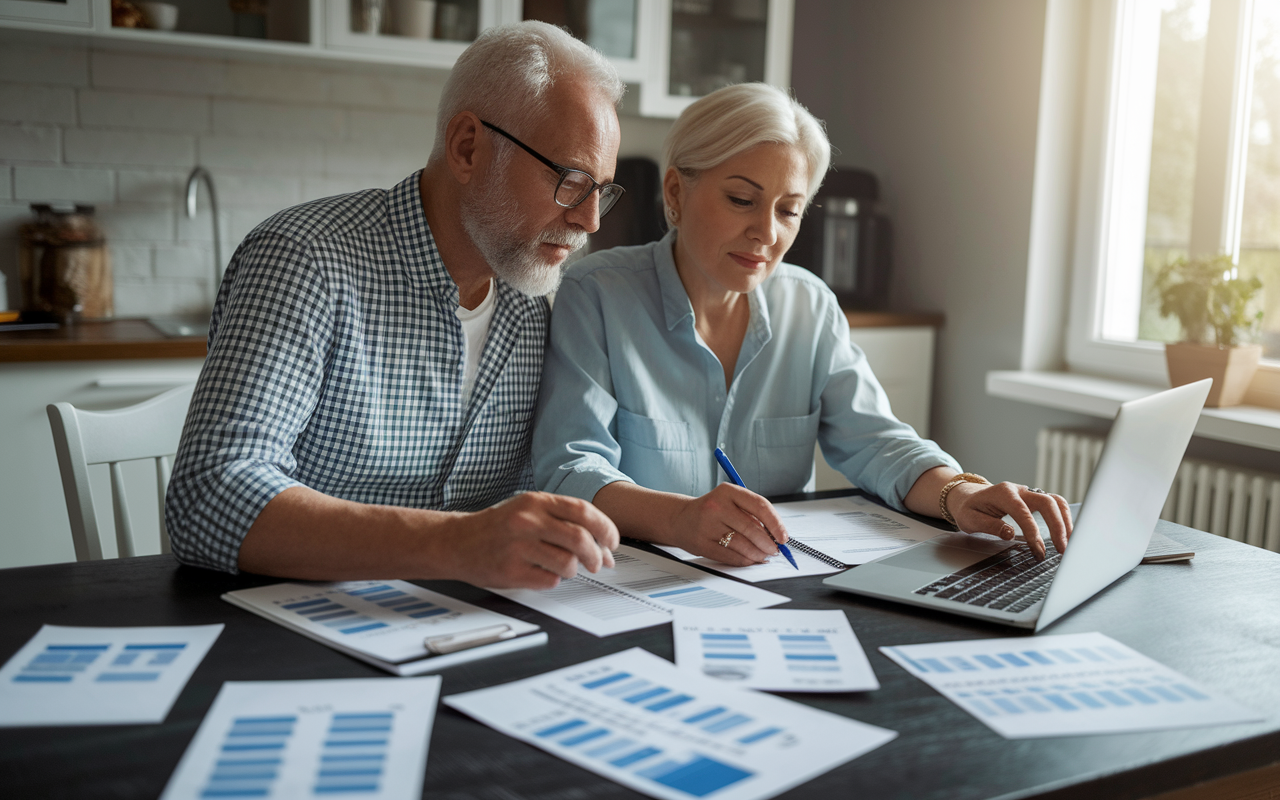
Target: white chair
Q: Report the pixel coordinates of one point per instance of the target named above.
(150, 429)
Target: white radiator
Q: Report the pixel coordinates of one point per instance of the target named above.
(1228, 501)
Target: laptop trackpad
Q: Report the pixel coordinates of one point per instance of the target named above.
(936, 558)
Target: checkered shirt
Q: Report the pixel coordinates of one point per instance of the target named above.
(336, 362)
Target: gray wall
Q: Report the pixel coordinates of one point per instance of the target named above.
(940, 99)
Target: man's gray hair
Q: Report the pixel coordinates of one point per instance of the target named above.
(505, 75)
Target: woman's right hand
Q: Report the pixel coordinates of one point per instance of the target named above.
(701, 525)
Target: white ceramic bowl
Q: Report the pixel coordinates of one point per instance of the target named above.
(161, 16)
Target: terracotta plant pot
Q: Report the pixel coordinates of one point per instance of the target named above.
(1230, 367)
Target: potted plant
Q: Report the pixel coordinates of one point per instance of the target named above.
(1213, 304)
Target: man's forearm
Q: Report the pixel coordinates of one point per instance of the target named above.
(308, 535)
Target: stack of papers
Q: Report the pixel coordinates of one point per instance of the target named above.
(641, 591)
(384, 623)
(100, 676)
(780, 650)
(364, 737)
(1065, 685)
(636, 719)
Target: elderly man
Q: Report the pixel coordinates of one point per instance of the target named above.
(365, 408)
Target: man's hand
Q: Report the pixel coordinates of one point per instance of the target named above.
(530, 541)
(702, 523)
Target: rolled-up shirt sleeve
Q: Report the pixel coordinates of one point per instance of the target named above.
(270, 336)
(859, 435)
(575, 446)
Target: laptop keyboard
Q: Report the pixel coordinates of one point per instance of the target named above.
(1011, 580)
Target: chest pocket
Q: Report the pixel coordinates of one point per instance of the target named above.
(656, 453)
(784, 447)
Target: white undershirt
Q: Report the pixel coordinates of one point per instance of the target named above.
(475, 329)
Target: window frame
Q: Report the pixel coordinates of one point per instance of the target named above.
(1114, 169)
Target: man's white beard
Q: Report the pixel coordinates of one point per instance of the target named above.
(493, 220)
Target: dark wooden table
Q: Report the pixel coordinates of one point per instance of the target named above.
(1217, 619)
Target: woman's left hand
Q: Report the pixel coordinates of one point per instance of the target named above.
(981, 508)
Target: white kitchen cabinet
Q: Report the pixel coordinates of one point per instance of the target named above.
(33, 512)
(701, 45)
(675, 50)
(70, 13)
(902, 359)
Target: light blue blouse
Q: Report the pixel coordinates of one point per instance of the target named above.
(630, 392)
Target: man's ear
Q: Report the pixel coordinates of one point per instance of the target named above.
(463, 144)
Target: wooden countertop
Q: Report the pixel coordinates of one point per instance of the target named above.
(135, 338)
(894, 319)
(95, 341)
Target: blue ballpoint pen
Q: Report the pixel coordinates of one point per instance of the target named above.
(727, 466)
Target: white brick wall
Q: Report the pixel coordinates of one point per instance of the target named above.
(122, 131)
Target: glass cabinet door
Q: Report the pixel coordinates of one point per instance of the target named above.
(610, 26)
(708, 44)
(430, 32)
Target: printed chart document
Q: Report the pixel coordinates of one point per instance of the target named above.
(100, 676)
(827, 536)
(775, 569)
(363, 737)
(386, 623)
(781, 650)
(641, 591)
(636, 719)
(1065, 685)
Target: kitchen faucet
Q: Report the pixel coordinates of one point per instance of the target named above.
(193, 189)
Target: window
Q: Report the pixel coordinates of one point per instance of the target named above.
(1180, 156)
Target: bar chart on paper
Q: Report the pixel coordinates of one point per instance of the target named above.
(292, 739)
(388, 620)
(634, 718)
(774, 649)
(84, 676)
(1062, 685)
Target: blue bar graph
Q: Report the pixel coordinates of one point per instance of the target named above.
(583, 738)
(727, 723)
(752, 738)
(606, 680)
(60, 663)
(560, 728)
(704, 715)
(636, 699)
(635, 757)
(251, 757)
(697, 777)
(669, 702)
(354, 753)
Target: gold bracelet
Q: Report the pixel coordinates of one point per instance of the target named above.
(963, 477)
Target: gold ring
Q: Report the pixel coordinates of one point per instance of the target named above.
(728, 537)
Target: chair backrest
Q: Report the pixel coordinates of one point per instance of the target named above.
(150, 429)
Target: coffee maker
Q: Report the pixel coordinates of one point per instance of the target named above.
(846, 241)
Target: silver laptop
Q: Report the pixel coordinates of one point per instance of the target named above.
(989, 578)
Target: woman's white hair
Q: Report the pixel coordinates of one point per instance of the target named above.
(505, 75)
(737, 118)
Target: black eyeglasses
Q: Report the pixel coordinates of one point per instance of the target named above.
(575, 185)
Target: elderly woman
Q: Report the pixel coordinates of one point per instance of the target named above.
(663, 352)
